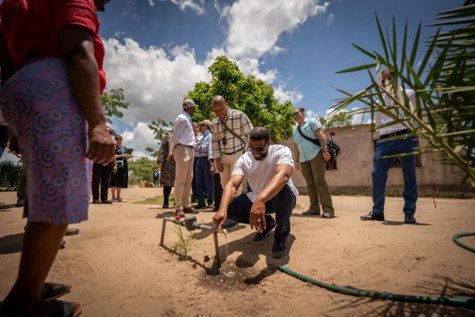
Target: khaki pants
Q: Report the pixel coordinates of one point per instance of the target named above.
(314, 173)
(184, 158)
(228, 162)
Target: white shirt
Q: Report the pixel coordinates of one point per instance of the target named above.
(182, 132)
(381, 118)
(259, 173)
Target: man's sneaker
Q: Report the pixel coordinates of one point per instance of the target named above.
(409, 219)
(107, 202)
(311, 213)
(190, 210)
(262, 235)
(96, 201)
(279, 248)
(328, 214)
(229, 223)
(373, 216)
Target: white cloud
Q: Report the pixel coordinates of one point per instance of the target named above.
(139, 138)
(330, 19)
(196, 5)
(255, 26)
(154, 82)
(285, 95)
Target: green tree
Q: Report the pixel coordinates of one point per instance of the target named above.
(160, 128)
(150, 150)
(113, 102)
(443, 81)
(246, 93)
(340, 119)
(141, 170)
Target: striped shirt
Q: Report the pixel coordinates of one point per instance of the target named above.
(223, 141)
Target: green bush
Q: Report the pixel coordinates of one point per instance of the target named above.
(10, 175)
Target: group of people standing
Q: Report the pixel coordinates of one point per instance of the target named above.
(113, 175)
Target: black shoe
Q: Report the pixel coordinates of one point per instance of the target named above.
(373, 216)
(96, 201)
(107, 202)
(200, 206)
(279, 248)
(262, 235)
(165, 206)
(311, 213)
(229, 223)
(410, 219)
(190, 210)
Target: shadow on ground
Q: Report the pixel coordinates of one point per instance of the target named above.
(11, 243)
(435, 285)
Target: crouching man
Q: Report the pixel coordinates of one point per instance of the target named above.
(268, 169)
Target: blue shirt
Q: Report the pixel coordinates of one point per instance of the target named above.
(307, 149)
(202, 147)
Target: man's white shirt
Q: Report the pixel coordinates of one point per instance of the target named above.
(182, 132)
(259, 173)
(381, 118)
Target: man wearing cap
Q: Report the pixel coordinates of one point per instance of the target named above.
(393, 140)
(204, 181)
(182, 142)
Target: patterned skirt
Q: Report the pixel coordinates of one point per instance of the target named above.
(39, 105)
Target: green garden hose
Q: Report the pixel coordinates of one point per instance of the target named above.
(439, 300)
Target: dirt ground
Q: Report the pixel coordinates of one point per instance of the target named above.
(117, 267)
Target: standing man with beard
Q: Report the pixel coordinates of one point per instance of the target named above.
(268, 169)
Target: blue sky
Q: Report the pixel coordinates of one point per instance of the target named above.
(158, 49)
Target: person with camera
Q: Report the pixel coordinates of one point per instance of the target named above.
(120, 171)
(313, 155)
(231, 129)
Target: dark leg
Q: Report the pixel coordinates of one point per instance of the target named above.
(40, 246)
(105, 181)
(282, 204)
(217, 190)
(240, 208)
(96, 180)
(166, 194)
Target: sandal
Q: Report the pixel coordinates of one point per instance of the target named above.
(121, 200)
(54, 290)
(53, 308)
(65, 309)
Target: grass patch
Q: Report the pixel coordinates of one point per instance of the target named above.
(157, 200)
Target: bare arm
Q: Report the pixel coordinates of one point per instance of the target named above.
(77, 46)
(229, 192)
(257, 217)
(323, 143)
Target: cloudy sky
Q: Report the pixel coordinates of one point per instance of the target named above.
(158, 49)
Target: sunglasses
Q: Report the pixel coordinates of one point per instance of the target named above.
(259, 149)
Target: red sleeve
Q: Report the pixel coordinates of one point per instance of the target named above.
(76, 12)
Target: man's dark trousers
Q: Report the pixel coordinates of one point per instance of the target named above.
(282, 204)
(101, 175)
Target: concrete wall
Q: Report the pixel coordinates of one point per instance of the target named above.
(355, 163)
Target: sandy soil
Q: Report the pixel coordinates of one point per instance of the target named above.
(117, 267)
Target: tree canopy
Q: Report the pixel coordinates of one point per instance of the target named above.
(246, 93)
(113, 102)
(340, 119)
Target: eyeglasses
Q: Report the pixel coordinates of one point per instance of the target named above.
(259, 149)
